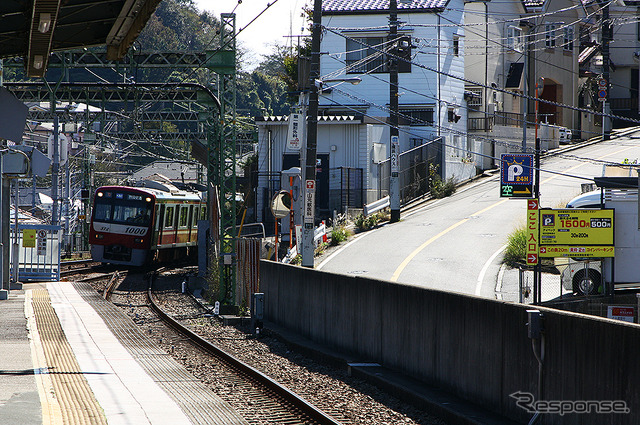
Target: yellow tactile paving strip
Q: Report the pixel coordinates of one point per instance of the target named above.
(71, 391)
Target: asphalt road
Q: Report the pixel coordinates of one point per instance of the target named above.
(455, 244)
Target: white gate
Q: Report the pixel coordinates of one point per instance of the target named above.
(38, 252)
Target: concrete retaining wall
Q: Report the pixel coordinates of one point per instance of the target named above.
(473, 347)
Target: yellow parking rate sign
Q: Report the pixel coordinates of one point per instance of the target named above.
(576, 227)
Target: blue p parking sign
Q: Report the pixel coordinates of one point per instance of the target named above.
(516, 175)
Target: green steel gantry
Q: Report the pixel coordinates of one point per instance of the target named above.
(207, 117)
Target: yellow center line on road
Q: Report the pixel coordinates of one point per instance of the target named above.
(415, 252)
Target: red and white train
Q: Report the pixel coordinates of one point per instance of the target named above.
(139, 225)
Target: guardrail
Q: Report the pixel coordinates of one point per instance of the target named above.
(376, 206)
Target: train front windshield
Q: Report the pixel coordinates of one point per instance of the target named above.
(122, 208)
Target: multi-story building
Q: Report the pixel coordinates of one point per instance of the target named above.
(353, 130)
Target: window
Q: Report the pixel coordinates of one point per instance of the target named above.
(196, 215)
(452, 116)
(475, 98)
(168, 217)
(122, 211)
(184, 216)
(418, 116)
(365, 54)
(456, 45)
(515, 40)
(362, 58)
(567, 42)
(550, 36)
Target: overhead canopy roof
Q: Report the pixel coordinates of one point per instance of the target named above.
(33, 29)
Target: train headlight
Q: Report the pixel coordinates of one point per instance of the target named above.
(148, 199)
(99, 236)
(138, 240)
(100, 194)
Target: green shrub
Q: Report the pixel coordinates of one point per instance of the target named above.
(339, 234)
(516, 250)
(437, 187)
(363, 223)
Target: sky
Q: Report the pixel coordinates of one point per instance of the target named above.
(281, 19)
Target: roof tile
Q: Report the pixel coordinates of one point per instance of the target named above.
(381, 5)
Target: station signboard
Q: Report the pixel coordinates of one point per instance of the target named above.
(516, 175)
(577, 227)
(309, 204)
(395, 152)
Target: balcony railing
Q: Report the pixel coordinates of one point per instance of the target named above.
(479, 123)
(624, 104)
(508, 119)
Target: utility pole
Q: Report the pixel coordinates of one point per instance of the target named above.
(606, 60)
(312, 141)
(525, 89)
(394, 178)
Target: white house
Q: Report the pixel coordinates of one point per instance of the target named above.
(430, 81)
(353, 127)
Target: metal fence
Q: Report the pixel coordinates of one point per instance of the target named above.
(550, 287)
(414, 167)
(346, 188)
(38, 252)
(249, 252)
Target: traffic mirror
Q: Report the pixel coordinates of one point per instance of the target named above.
(281, 204)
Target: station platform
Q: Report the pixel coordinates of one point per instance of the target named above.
(69, 357)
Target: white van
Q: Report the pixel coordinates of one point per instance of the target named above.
(582, 276)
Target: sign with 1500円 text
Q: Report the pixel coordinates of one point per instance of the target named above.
(576, 232)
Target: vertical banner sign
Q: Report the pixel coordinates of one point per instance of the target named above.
(29, 238)
(532, 231)
(41, 248)
(309, 204)
(395, 151)
(295, 132)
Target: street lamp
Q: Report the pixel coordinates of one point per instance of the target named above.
(320, 83)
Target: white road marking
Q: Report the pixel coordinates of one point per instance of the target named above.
(486, 267)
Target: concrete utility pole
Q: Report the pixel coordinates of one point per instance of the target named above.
(606, 60)
(525, 88)
(312, 141)
(394, 174)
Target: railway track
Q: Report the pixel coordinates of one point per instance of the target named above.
(343, 399)
(69, 268)
(275, 400)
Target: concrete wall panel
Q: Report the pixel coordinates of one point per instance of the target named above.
(473, 347)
